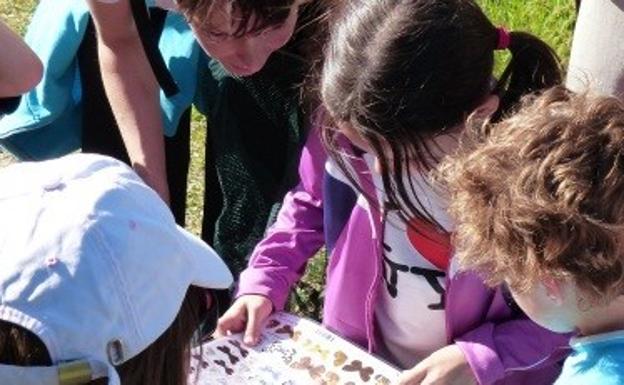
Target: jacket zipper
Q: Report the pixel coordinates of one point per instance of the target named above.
(372, 293)
(447, 305)
(557, 350)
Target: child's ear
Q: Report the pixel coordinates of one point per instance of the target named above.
(488, 107)
(554, 290)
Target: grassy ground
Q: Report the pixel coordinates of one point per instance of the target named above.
(552, 20)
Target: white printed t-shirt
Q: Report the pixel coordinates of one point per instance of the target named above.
(410, 306)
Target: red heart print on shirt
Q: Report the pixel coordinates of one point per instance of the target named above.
(432, 244)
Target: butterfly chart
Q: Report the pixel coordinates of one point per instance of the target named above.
(291, 351)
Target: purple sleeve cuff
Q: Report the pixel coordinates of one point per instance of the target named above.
(478, 348)
(254, 281)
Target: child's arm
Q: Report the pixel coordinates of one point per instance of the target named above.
(516, 352)
(520, 346)
(20, 68)
(132, 90)
(446, 366)
(279, 260)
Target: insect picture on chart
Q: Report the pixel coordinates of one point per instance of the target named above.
(237, 344)
(305, 363)
(229, 371)
(291, 351)
(339, 358)
(365, 372)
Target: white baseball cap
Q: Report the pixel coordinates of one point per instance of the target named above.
(93, 263)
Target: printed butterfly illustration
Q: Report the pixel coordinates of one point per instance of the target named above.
(307, 343)
(339, 358)
(331, 378)
(305, 363)
(273, 324)
(226, 350)
(198, 358)
(381, 380)
(286, 354)
(316, 349)
(286, 330)
(244, 352)
(356, 366)
(296, 335)
(229, 371)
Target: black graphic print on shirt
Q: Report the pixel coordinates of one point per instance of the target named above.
(425, 242)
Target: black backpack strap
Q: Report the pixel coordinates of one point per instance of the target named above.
(150, 45)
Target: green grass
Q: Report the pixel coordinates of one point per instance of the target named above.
(195, 195)
(17, 13)
(551, 20)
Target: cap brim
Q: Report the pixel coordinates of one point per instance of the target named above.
(208, 269)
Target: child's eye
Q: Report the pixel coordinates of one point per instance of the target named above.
(215, 36)
(269, 31)
(258, 34)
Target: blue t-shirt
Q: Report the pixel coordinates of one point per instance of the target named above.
(595, 360)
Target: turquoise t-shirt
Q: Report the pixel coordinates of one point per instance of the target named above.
(595, 360)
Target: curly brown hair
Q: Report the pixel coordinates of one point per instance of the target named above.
(541, 194)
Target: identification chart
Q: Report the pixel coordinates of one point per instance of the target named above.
(291, 351)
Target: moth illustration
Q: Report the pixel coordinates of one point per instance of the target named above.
(273, 324)
(244, 352)
(365, 372)
(229, 371)
(339, 358)
(226, 350)
(305, 363)
(286, 330)
(331, 378)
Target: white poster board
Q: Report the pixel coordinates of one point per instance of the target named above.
(291, 351)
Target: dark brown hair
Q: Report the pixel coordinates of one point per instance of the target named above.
(252, 15)
(164, 362)
(542, 195)
(401, 72)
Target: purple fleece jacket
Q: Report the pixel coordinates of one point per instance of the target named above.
(501, 345)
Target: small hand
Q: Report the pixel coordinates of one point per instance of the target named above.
(447, 366)
(248, 314)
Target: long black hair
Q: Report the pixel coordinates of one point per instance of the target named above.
(402, 72)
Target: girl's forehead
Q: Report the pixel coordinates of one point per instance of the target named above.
(222, 17)
(225, 18)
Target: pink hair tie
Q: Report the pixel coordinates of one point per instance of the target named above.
(504, 38)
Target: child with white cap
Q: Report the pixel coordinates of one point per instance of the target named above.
(96, 279)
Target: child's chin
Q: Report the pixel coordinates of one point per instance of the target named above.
(237, 71)
(557, 326)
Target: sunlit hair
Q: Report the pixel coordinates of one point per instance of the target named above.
(402, 72)
(542, 195)
(164, 362)
(251, 15)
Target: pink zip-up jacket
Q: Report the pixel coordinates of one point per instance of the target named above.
(501, 345)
